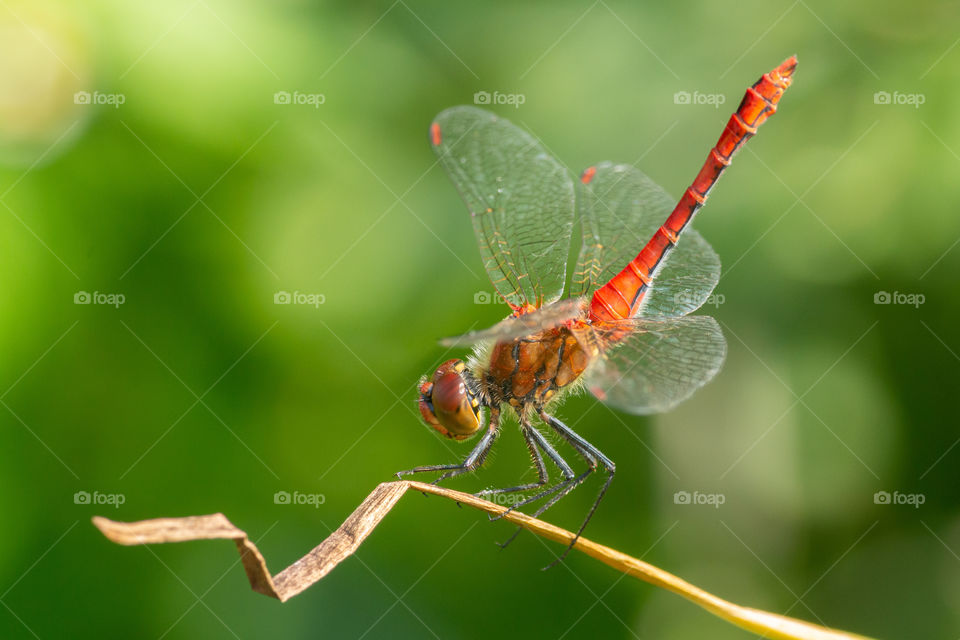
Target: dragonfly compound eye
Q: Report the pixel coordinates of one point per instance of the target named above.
(446, 403)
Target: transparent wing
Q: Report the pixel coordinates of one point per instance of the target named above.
(620, 208)
(685, 279)
(521, 201)
(529, 323)
(651, 366)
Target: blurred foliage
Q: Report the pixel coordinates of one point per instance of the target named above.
(199, 198)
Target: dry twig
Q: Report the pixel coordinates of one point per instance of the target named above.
(345, 540)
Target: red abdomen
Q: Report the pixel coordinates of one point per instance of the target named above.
(621, 297)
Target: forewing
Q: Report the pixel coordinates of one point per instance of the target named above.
(685, 279)
(656, 365)
(620, 208)
(521, 201)
(527, 324)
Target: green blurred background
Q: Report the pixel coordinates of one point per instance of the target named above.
(199, 198)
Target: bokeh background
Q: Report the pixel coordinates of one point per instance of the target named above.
(185, 187)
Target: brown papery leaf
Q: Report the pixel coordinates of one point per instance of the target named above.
(345, 540)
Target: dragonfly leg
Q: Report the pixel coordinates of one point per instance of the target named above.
(565, 470)
(594, 458)
(561, 488)
(471, 462)
(542, 475)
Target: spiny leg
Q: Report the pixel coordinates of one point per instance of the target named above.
(542, 475)
(562, 486)
(565, 470)
(593, 456)
(471, 462)
(563, 489)
(574, 483)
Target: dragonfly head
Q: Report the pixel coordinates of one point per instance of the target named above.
(449, 401)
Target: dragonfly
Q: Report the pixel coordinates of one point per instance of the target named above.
(621, 328)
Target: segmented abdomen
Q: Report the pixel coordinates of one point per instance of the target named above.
(621, 297)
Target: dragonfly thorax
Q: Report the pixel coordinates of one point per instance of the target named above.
(530, 372)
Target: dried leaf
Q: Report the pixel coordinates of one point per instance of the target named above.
(346, 539)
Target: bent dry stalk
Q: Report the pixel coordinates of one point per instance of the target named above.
(347, 538)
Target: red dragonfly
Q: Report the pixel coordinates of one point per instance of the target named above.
(623, 329)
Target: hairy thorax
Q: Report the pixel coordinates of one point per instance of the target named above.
(529, 372)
